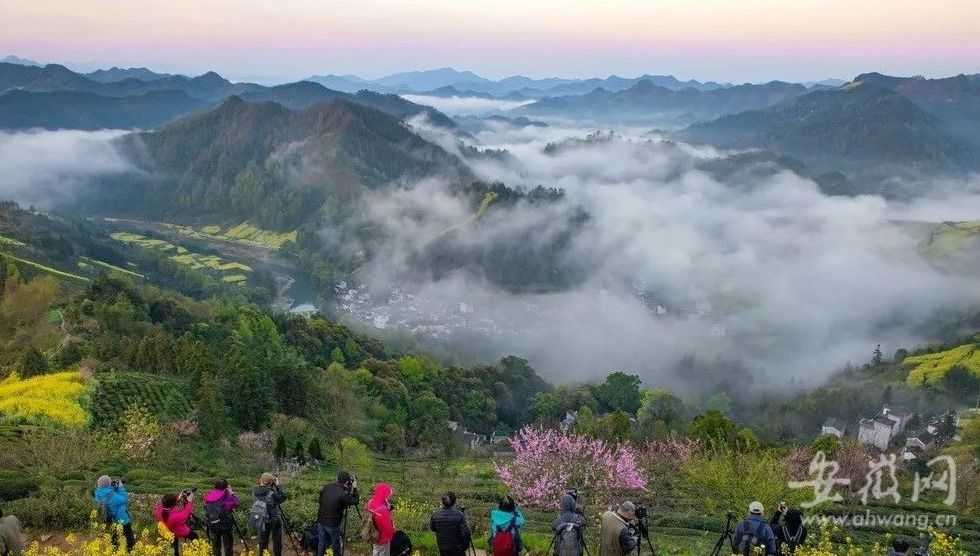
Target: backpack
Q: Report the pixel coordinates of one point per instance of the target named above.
(792, 540)
(258, 516)
(750, 539)
(504, 540)
(103, 514)
(568, 540)
(369, 531)
(401, 545)
(217, 515)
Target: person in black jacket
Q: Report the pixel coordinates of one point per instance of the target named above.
(791, 533)
(335, 498)
(569, 539)
(451, 529)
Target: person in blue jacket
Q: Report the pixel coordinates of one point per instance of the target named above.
(113, 495)
(507, 512)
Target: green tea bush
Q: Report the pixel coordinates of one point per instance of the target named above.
(54, 508)
(162, 396)
(14, 485)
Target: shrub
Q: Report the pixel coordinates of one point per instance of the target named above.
(161, 396)
(14, 485)
(53, 508)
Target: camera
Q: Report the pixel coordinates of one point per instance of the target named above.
(640, 512)
(188, 491)
(350, 482)
(573, 492)
(116, 482)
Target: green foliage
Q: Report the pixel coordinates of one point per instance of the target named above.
(352, 455)
(315, 450)
(713, 427)
(828, 444)
(280, 450)
(620, 392)
(17, 484)
(161, 396)
(32, 363)
(299, 452)
(55, 507)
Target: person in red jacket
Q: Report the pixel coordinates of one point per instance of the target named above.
(380, 509)
(174, 511)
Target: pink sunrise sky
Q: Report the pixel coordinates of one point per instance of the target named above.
(724, 40)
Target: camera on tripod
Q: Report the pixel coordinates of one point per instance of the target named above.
(188, 491)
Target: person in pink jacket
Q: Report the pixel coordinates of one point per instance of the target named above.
(380, 509)
(174, 511)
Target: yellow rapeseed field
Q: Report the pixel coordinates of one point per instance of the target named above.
(52, 398)
(934, 366)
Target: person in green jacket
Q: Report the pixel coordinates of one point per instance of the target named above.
(11, 537)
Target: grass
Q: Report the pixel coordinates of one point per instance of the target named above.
(11, 241)
(47, 269)
(932, 367)
(54, 398)
(231, 271)
(244, 233)
(949, 238)
(111, 267)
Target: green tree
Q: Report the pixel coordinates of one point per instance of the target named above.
(828, 444)
(32, 363)
(713, 426)
(212, 414)
(249, 388)
(877, 358)
(280, 450)
(315, 450)
(620, 392)
(428, 421)
(337, 356)
(299, 452)
(613, 427)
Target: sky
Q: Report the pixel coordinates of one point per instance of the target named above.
(722, 40)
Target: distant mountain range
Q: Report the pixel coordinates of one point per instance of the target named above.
(19, 61)
(859, 128)
(447, 81)
(55, 97)
(647, 103)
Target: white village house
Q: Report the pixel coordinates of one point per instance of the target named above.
(882, 429)
(834, 427)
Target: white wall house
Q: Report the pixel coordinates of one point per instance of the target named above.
(876, 432)
(834, 427)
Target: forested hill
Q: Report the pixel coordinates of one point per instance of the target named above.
(268, 164)
(854, 127)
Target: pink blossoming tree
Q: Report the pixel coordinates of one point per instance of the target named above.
(547, 462)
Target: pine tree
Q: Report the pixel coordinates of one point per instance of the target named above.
(281, 449)
(32, 363)
(299, 453)
(876, 356)
(315, 451)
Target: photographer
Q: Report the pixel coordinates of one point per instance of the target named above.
(173, 512)
(112, 508)
(789, 534)
(568, 527)
(452, 531)
(219, 505)
(616, 538)
(379, 508)
(753, 532)
(270, 494)
(335, 498)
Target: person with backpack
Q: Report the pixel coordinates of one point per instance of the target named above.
(11, 536)
(219, 507)
(753, 532)
(112, 508)
(616, 537)
(173, 513)
(505, 528)
(453, 534)
(789, 534)
(335, 498)
(265, 516)
(379, 527)
(569, 537)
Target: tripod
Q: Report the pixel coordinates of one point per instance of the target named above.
(343, 530)
(241, 535)
(641, 527)
(578, 531)
(288, 530)
(725, 536)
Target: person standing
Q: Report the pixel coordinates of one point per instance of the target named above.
(899, 548)
(335, 498)
(272, 494)
(568, 528)
(11, 536)
(219, 507)
(505, 528)
(112, 502)
(452, 531)
(615, 536)
(173, 513)
(379, 507)
(753, 532)
(791, 533)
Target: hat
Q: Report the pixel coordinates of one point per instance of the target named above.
(627, 506)
(756, 508)
(103, 481)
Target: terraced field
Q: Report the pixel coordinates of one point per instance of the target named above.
(230, 271)
(933, 366)
(244, 233)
